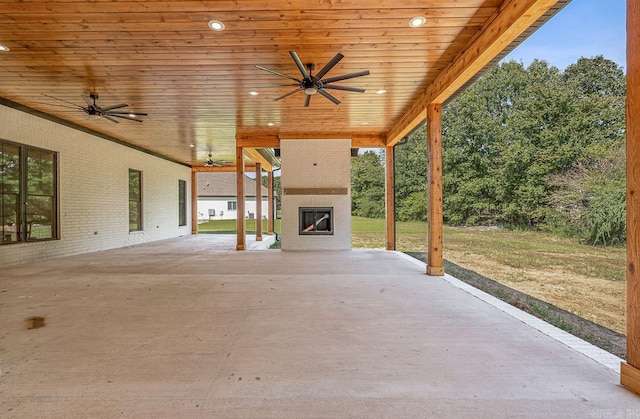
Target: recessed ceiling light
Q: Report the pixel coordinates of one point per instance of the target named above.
(417, 21)
(270, 124)
(364, 123)
(253, 93)
(192, 145)
(4, 48)
(216, 25)
(381, 91)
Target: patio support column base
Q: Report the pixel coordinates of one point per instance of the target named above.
(630, 377)
(435, 270)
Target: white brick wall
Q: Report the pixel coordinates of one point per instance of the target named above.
(316, 164)
(93, 192)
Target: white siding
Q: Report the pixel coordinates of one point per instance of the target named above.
(93, 193)
(219, 204)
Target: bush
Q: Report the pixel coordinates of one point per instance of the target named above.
(604, 220)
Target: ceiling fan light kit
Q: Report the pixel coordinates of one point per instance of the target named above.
(312, 84)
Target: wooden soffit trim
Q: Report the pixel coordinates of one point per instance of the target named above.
(510, 21)
(259, 158)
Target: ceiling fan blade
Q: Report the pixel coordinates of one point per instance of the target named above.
(289, 94)
(345, 88)
(329, 96)
(329, 65)
(88, 100)
(107, 117)
(121, 105)
(299, 64)
(76, 107)
(61, 100)
(125, 113)
(266, 86)
(346, 76)
(307, 99)
(277, 73)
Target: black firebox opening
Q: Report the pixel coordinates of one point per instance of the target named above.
(315, 221)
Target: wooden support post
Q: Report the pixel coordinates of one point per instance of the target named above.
(240, 207)
(270, 209)
(434, 151)
(194, 202)
(258, 202)
(630, 371)
(390, 198)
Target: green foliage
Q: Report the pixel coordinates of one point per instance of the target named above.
(604, 219)
(413, 208)
(535, 148)
(411, 177)
(512, 143)
(367, 185)
(277, 192)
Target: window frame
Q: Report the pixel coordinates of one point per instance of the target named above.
(232, 205)
(139, 225)
(182, 203)
(23, 227)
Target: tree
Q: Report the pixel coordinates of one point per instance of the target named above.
(367, 185)
(411, 177)
(530, 147)
(277, 193)
(589, 199)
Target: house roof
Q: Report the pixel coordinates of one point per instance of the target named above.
(213, 184)
(162, 58)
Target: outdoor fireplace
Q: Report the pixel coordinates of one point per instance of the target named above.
(315, 221)
(316, 194)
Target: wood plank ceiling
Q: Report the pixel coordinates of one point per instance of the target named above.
(162, 58)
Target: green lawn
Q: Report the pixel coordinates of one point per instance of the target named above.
(513, 248)
(229, 226)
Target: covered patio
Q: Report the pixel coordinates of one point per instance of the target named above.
(187, 328)
(144, 320)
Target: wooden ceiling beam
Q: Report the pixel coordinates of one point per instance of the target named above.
(272, 140)
(511, 19)
(255, 155)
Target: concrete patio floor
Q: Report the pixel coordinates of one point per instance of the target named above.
(188, 328)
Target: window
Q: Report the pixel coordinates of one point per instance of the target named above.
(135, 200)
(28, 194)
(231, 205)
(182, 203)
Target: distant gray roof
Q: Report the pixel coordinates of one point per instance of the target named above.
(224, 184)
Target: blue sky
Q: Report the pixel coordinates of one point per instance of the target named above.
(584, 28)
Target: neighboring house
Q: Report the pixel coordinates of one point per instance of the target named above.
(217, 199)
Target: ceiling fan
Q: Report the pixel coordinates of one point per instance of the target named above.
(312, 84)
(108, 112)
(214, 163)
